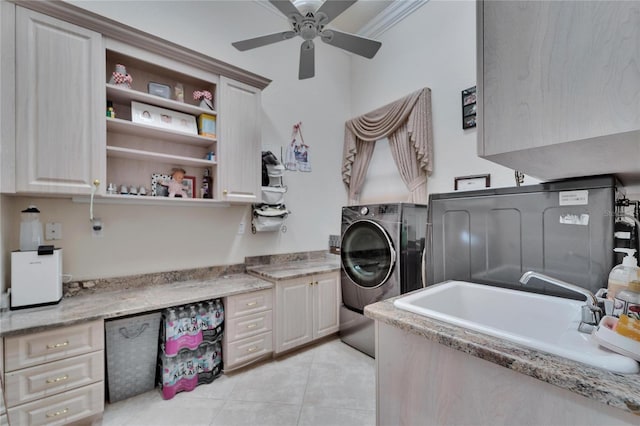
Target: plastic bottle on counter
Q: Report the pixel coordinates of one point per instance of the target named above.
(627, 301)
(621, 275)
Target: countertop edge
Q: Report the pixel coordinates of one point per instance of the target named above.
(292, 270)
(609, 388)
(125, 302)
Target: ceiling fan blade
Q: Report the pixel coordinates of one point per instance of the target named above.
(352, 43)
(332, 8)
(252, 43)
(307, 60)
(286, 8)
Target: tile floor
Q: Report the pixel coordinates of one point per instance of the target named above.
(327, 384)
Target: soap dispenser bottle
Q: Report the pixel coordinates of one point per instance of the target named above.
(623, 274)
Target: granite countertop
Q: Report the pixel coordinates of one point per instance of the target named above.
(613, 389)
(118, 303)
(297, 269)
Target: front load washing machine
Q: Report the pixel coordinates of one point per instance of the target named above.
(381, 255)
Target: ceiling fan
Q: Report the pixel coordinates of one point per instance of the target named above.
(309, 22)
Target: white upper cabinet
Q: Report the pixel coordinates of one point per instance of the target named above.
(60, 104)
(559, 86)
(240, 142)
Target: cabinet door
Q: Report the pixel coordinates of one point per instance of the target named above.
(557, 85)
(60, 105)
(294, 313)
(239, 148)
(326, 300)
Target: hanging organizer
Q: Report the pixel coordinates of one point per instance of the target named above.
(269, 216)
(297, 157)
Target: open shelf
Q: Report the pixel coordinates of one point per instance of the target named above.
(158, 157)
(118, 125)
(151, 201)
(123, 95)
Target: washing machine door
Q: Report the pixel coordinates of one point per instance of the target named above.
(367, 254)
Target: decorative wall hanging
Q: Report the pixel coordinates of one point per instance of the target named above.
(469, 108)
(297, 156)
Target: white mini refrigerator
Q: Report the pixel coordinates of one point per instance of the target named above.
(36, 279)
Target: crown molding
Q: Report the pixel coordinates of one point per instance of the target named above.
(390, 16)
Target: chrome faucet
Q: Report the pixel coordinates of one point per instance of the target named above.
(591, 312)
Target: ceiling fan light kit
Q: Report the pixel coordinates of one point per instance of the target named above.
(308, 22)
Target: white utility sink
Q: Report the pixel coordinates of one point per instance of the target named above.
(546, 323)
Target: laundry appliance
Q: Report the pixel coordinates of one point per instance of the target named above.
(382, 250)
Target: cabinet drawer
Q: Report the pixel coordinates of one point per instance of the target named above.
(49, 379)
(248, 303)
(242, 351)
(37, 348)
(249, 325)
(60, 409)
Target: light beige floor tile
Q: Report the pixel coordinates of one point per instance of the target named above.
(341, 386)
(179, 410)
(272, 383)
(336, 352)
(240, 413)
(322, 416)
(220, 388)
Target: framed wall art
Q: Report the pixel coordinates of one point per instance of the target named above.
(469, 107)
(163, 118)
(471, 183)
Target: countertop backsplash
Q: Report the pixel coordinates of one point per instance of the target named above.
(98, 285)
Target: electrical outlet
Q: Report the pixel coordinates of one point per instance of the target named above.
(53, 231)
(241, 228)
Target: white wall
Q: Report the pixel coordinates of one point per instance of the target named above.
(433, 47)
(140, 239)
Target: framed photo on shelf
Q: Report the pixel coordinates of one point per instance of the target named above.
(158, 190)
(189, 183)
(471, 183)
(469, 108)
(163, 118)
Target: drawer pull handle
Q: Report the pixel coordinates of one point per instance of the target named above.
(254, 303)
(58, 379)
(254, 325)
(57, 413)
(252, 349)
(58, 345)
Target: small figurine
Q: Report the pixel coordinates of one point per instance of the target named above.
(175, 184)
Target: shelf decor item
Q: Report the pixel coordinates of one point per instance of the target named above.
(158, 89)
(164, 118)
(120, 77)
(207, 125)
(205, 97)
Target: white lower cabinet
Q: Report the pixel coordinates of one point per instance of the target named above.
(248, 336)
(307, 308)
(55, 376)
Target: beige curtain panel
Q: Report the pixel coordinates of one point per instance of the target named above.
(407, 124)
